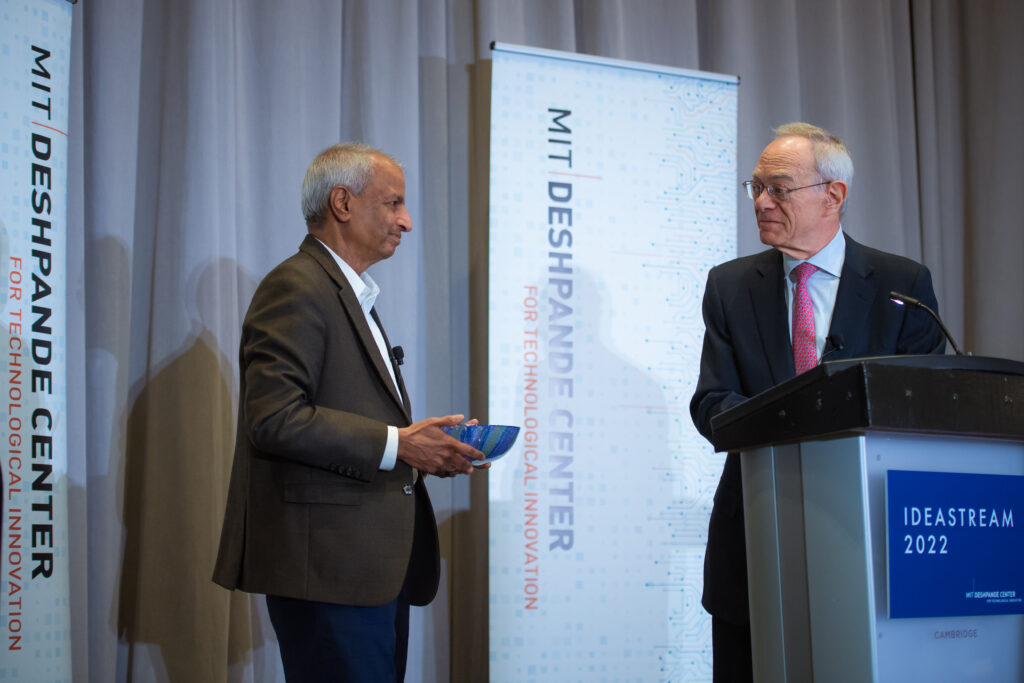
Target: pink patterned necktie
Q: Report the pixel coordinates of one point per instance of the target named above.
(805, 352)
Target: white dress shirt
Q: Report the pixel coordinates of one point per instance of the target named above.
(366, 291)
(823, 286)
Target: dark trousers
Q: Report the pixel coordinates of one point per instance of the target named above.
(733, 660)
(323, 642)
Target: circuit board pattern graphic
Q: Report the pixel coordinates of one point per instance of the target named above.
(613, 192)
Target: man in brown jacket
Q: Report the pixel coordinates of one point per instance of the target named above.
(327, 512)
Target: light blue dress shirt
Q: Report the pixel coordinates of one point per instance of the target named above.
(822, 285)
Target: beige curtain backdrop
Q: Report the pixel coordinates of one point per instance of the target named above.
(192, 124)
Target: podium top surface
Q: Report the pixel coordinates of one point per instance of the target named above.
(932, 394)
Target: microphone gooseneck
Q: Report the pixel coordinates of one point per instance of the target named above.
(902, 299)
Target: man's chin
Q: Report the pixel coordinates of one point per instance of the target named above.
(768, 237)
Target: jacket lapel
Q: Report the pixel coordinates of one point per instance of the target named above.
(398, 374)
(853, 301)
(350, 305)
(768, 299)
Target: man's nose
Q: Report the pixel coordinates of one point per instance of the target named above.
(405, 220)
(764, 201)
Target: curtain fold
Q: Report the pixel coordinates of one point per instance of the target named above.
(991, 102)
(938, 82)
(193, 123)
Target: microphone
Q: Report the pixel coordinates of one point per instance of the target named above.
(902, 299)
(833, 343)
(398, 355)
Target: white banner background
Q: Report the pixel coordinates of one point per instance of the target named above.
(613, 192)
(35, 42)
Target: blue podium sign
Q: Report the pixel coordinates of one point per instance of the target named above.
(955, 544)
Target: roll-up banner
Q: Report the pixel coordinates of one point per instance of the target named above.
(613, 192)
(35, 47)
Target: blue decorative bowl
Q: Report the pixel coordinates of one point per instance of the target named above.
(491, 440)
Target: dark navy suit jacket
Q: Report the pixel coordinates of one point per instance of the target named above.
(747, 350)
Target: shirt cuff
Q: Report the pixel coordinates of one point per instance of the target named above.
(387, 462)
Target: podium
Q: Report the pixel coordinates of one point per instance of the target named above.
(820, 453)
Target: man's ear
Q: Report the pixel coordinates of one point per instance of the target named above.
(339, 203)
(835, 194)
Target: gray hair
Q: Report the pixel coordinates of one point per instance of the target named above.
(831, 157)
(348, 163)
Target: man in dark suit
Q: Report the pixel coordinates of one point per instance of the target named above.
(327, 512)
(764, 323)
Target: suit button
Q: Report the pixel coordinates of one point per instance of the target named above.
(407, 489)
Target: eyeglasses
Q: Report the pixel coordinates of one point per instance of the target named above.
(776, 192)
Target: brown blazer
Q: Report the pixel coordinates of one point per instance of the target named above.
(309, 514)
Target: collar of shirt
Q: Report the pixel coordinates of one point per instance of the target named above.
(363, 286)
(830, 259)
